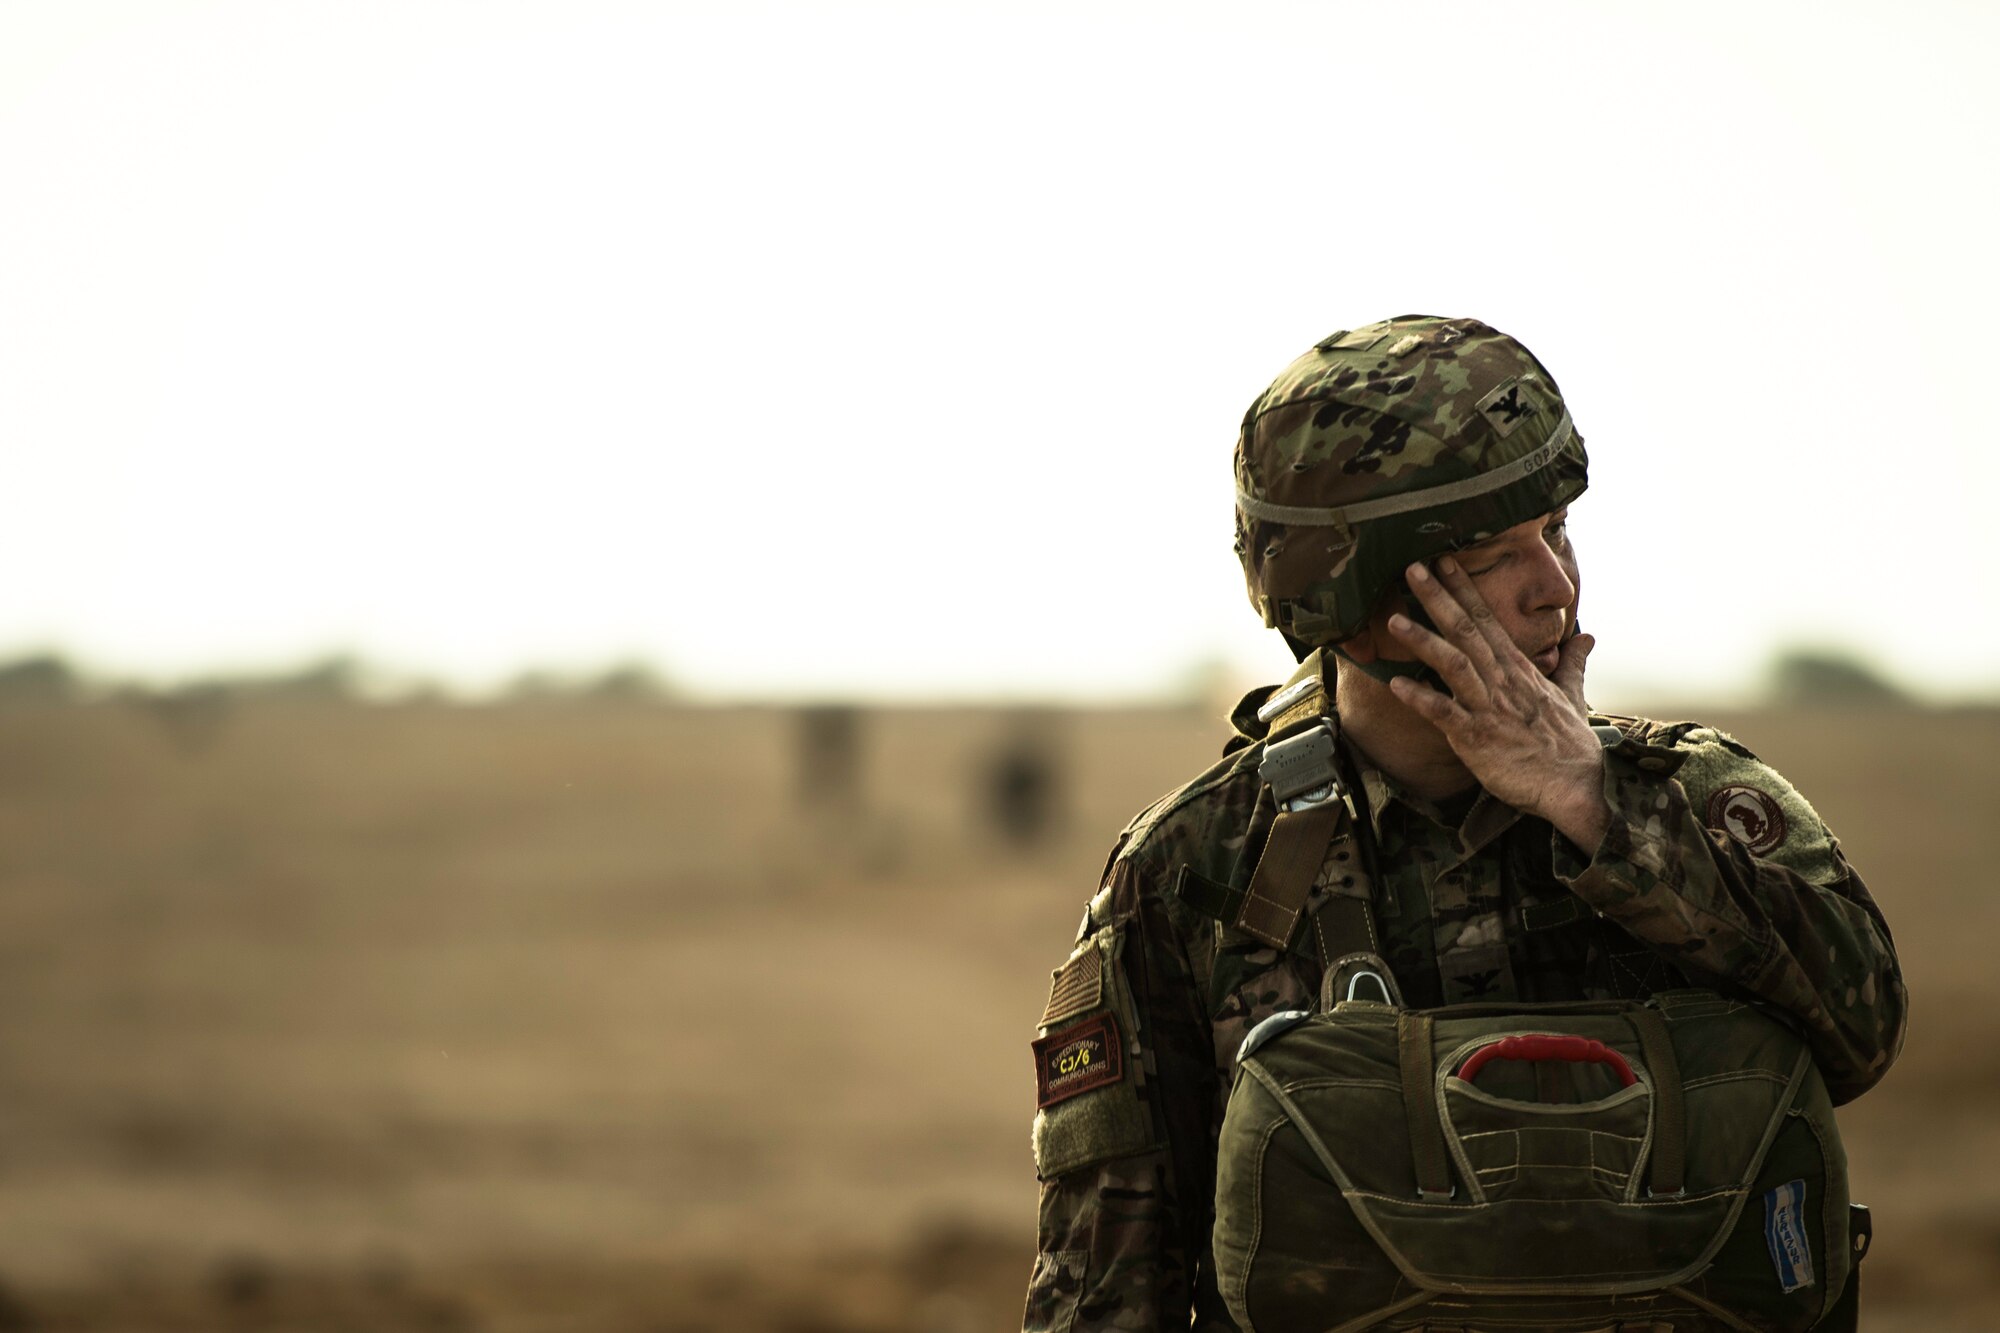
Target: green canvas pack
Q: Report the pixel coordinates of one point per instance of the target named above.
(1661, 1165)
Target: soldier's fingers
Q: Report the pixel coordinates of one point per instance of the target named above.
(1569, 671)
(1453, 617)
(1442, 657)
(1477, 610)
(1441, 711)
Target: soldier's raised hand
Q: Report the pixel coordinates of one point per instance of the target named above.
(1518, 723)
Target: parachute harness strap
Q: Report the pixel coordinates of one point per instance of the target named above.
(1667, 1177)
(1420, 1104)
(1317, 815)
(1304, 780)
(1299, 770)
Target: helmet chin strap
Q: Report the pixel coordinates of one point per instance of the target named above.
(1386, 671)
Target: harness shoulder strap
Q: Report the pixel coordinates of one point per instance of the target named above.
(1315, 813)
(1302, 773)
(1316, 810)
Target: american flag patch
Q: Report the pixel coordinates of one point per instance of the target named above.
(1078, 985)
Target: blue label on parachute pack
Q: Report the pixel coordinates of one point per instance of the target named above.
(1785, 1233)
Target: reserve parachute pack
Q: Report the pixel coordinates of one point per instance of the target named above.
(1670, 1164)
(1661, 1164)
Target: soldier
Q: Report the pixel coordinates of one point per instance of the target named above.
(1402, 492)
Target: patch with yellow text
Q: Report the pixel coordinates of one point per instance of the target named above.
(1077, 1059)
(1750, 816)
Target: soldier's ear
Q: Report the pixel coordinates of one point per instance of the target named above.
(1362, 647)
(1369, 641)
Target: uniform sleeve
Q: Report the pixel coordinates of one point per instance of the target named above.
(1124, 1156)
(1717, 862)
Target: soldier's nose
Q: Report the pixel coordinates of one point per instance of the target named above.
(1551, 587)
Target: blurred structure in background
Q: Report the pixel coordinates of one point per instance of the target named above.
(1829, 678)
(827, 768)
(42, 678)
(1020, 785)
(192, 716)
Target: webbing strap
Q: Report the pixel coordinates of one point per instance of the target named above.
(1427, 1150)
(1286, 871)
(1845, 1317)
(1668, 1172)
(1205, 895)
(1349, 927)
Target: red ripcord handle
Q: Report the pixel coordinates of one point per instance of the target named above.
(1540, 1046)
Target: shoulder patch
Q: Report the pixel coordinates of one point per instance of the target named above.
(1735, 793)
(1078, 1059)
(1750, 816)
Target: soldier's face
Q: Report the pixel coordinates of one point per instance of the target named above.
(1527, 574)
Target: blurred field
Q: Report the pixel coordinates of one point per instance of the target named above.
(611, 1016)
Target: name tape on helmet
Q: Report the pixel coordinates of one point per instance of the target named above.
(1431, 498)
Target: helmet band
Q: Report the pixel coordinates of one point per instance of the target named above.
(1429, 498)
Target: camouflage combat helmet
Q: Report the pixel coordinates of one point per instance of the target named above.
(1385, 445)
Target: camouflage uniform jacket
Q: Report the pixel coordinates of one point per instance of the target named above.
(1715, 872)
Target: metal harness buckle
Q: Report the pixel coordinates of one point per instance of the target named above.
(1301, 772)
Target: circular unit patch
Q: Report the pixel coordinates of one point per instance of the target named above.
(1750, 816)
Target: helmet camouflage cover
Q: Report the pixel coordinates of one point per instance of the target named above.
(1387, 445)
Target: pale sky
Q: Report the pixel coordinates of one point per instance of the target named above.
(898, 350)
